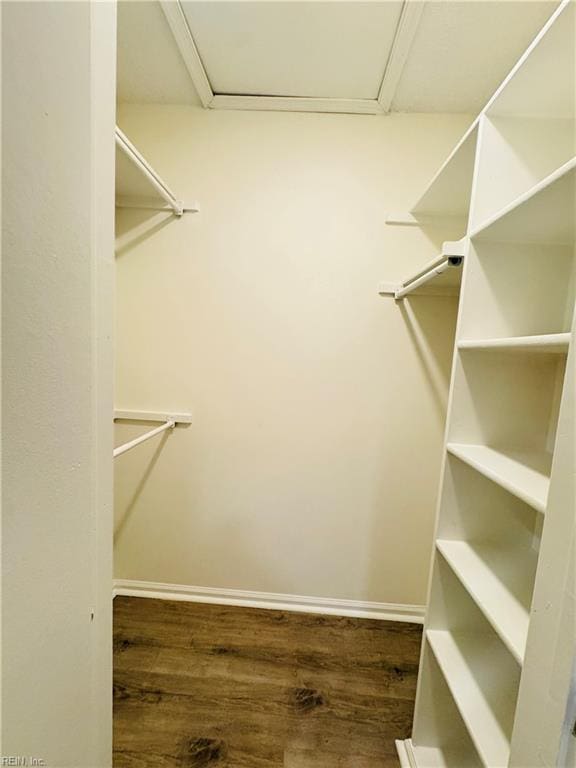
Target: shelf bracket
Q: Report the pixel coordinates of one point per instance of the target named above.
(177, 418)
(170, 421)
(452, 256)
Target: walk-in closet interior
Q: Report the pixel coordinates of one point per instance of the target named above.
(326, 334)
(317, 386)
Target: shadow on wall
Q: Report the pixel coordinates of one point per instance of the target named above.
(430, 322)
(420, 315)
(138, 226)
(128, 508)
(432, 326)
(133, 514)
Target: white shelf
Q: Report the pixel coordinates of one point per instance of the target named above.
(178, 417)
(525, 475)
(445, 756)
(549, 343)
(500, 581)
(448, 193)
(466, 662)
(544, 214)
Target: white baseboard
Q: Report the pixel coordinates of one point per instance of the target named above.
(406, 753)
(271, 600)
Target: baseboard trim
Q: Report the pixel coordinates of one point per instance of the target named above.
(406, 753)
(360, 609)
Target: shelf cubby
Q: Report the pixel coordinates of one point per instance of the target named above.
(519, 153)
(480, 672)
(508, 403)
(473, 671)
(525, 475)
(527, 131)
(440, 738)
(519, 290)
(500, 581)
(491, 539)
(543, 214)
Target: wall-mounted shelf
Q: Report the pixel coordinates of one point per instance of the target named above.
(139, 186)
(169, 421)
(440, 277)
(177, 417)
(446, 199)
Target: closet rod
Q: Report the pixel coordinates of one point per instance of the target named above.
(170, 424)
(438, 262)
(427, 276)
(146, 169)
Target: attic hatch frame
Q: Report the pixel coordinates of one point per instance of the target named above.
(406, 28)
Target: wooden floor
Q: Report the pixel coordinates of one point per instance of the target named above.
(204, 685)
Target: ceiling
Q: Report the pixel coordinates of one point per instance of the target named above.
(436, 56)
(310, 49)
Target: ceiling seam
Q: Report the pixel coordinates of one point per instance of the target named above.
(185, 42)
(401, 46)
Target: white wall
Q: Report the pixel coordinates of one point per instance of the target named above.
(57, 271)
(312, 464)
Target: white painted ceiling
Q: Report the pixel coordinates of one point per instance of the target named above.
(463, 50)
(336, 48)
(150, 67)
(322, 49)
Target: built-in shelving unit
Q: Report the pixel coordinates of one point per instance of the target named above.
(507, 493)
(138, 185)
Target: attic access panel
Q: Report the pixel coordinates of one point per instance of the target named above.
(292, 49)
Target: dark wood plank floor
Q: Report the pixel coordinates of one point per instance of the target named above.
(203, 685)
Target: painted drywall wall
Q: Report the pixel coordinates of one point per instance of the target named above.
(312, 464)
(57, 273)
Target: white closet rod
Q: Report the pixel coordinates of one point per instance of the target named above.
(146, 169)
(430, 266)
(146, 436)
(426, 277)
(170, 421)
